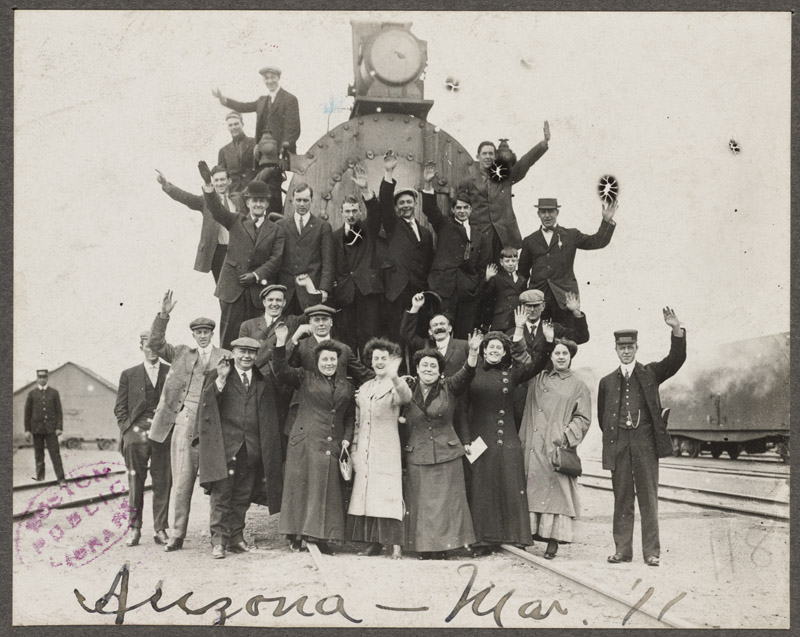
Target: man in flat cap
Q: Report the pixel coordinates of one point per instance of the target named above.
(139, 391)
(358, 289)
(277, 111)
(492, 213)
(548, 256)
(213, 237)
(255, 250)
(44, 424)
(408, 248)
(635, 437)
(177, 408)
(236, 157)
(239, 446)
(308, 267)
(456, 271)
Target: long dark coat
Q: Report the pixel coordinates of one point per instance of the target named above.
(313, 500)
(650, 376)
(221, 436)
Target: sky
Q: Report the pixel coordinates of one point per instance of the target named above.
(102, 99)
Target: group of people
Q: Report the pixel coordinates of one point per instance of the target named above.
(445, 374)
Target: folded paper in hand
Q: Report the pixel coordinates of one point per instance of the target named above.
(476, 448)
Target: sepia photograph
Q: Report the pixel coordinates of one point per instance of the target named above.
(381, 319)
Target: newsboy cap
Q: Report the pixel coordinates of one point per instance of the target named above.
(144, 336)
(319, 310)
(623, 337)
(245, 342)
(405, 191)
(270, 69)
(202, 323)
(547, 203)
(269, 288)
(531, 296)
(234, 115)
(256, 189)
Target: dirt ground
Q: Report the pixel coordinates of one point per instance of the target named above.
(717, 570)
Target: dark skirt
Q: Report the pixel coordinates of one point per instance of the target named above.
(497, 497)
(364, 528)
(438, 516)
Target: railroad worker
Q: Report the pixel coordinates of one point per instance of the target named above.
(254, 255)
(454, 351)
(44, 424)
(213, 236)
(456, 272)
(635, 437)
(277, 111)
(177, 408)
(438, 515)
(557, 414)
(375, 514)
(357, 289)
(500, 291)
(138, 394)
(307, 268)
(239, 446)
(409, 248)
(313, 498)
(236, 157)
(548, 256)
(492, 213)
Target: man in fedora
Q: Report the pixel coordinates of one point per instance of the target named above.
(635, 437)
(236, 157)
(239, 446)
(139, 391)
(548, 256)
(177, 408)
(44, 424)
(277, 111)
(255, 250)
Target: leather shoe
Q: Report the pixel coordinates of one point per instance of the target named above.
(373, 549)
(617, 558)
(325, 548)
(479, 551)
(238, 547)
(295, 546)
(134, 537)
(218, 552)
(161, 537)
(652, 560)
(174, 544)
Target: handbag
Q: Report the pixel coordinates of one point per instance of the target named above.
(345, 464)
(567, 461)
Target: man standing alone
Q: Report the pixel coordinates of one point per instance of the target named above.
(43, 424)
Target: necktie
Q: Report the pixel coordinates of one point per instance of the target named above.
(245, 382)
(204, 358)
(413, 227)
(627, 375)
(269, 103)
(225, 202)
(300, 224)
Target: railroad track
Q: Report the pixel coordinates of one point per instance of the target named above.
(706, 498)
(743, 471)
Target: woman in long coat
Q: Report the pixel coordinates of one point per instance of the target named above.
(497, 493)
(558, 412)
(376, 503)
(436, 497)
(312, 507)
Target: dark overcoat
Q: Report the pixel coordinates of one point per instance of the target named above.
(236, 157)
(499, 298)
(356, 266)
(310, 253)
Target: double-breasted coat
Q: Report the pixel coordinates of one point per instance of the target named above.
(43, 414)
(250, 249)
(281, 117)
(313, 495)
(221, 435)
(308, 253)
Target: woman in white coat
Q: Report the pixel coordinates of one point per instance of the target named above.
(375, 515)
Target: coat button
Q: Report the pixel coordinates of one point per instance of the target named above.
(500, 422)
(502, 412)
(505, 390)
(431, 437)
(505, 380)
(329, 438)
(327, 453)
(499, 443)
(500, 432)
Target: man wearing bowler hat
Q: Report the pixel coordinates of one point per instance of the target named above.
(548, 256)
(236, 157)
(139, 391)
(239, 446)
(277, 111)
(635, 437)
(255, 250)
(44, 424)
(177, 408)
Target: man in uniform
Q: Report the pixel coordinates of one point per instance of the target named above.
(137, 398)
(492, 213)
(236, 157)
(239, 446)
(44, 424)
(277, 111)
(635, 437)
(177, 408)
(548, 256)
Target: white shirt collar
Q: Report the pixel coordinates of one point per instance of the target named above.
(247, 373)
(154, 366)
(443, 344)
(272, 95)
(320, 340)
(40, 388)
(306, 217)
(629, 368)
(206, 350)
(549, 229)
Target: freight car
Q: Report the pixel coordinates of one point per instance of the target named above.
(735, 398)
